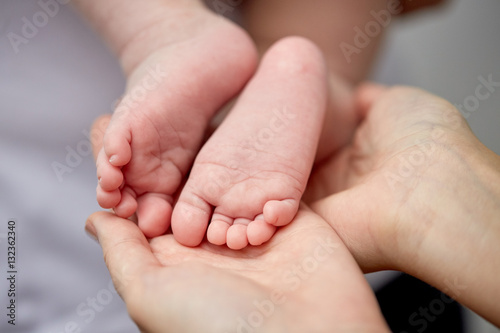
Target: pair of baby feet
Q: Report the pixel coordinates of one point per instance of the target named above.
(248, 178)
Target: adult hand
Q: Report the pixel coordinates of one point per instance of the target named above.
(416, 191)
(303, 280)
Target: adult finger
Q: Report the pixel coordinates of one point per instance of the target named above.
(366, 95)
(126, 251)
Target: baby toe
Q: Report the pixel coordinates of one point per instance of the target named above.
(110, 177)
(128, 203)
(259, 232)
(237, 234)
(153, 212)
(280, 212)
(217, 230)
(108, 199)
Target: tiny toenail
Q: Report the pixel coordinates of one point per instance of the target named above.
(113, 159)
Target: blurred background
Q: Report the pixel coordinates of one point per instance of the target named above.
(445, 51)
(62, 77)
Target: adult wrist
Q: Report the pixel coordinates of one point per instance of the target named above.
(451, 238)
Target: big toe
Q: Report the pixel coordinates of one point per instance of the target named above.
(280, 212)
(190, 220)
(153, 212)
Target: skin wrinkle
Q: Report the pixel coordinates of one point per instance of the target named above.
(298, 181)
(115, 248)
(247, 266)
(156, 156)
(197, 198)
(158, 142)
(416, 210)
(248, 175)
(399, 210)
(487, 196)
(359, 168)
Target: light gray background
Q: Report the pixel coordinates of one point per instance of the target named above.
(64, 77)
(445, 51)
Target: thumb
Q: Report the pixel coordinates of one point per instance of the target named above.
(356, 219)
(125, 249)
(367, 94)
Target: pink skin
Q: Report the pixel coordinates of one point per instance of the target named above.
(250, 175)
(150, 144)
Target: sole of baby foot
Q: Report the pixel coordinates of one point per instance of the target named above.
(250, 175)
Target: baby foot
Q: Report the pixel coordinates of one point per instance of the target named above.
(158, 127)
(250, 175)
